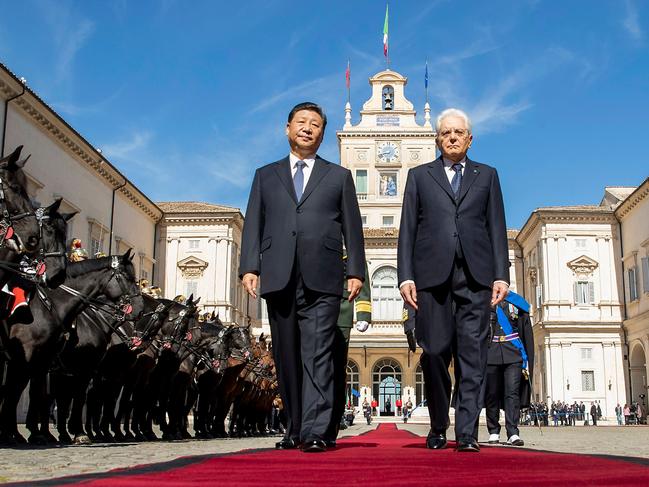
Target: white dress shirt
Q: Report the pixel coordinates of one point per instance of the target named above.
(309, 162)
(450, 173)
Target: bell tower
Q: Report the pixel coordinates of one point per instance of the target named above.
(379, 151)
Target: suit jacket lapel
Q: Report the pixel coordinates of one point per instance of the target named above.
(436, 170)
(320, 168)
(471, 173)
(283, 171)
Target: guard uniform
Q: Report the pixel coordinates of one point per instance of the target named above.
(509, 364)
(363, 306)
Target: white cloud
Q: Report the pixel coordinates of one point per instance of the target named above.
(631, 21)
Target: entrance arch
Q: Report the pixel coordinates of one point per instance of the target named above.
(386, 385)
(638, 369)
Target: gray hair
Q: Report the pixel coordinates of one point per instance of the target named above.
(453, 112)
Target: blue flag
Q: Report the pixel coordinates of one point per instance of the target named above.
(355, 393)
(426, 76)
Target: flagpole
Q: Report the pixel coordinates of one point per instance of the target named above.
(386, 49)
(348, 81)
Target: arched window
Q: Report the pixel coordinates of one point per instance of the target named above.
(386, 385)
(387, 304)
(353, 383)
(388, 98)
(420, 392)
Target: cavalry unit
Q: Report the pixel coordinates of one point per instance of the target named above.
(108, 357)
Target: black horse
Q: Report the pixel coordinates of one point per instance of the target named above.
(19, 229)
(117, 366)
(151, 398)
(36, 347)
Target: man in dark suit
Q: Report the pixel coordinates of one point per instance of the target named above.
(453, 264)
(300, 209)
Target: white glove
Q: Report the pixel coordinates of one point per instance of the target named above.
(362, 326)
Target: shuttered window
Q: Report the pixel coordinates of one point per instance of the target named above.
(584, 292)
(645, 274)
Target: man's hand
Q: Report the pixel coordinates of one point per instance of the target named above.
(499, 292)
(409, 294)
(354, 286)
(249, 282)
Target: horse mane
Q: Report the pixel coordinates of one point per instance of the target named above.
(76, 269)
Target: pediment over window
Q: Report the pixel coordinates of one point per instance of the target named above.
(192, 266)
(583, 266)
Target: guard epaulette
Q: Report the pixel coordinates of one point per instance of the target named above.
(518, 301)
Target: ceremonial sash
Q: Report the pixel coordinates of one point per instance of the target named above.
(504, 323)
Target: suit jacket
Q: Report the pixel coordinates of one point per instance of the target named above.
(279, 230)
(432, 222)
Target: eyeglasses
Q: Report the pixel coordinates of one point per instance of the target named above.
(459, 133)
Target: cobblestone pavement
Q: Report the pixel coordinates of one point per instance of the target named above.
(627, 441)
(37, 463)
(30, 463)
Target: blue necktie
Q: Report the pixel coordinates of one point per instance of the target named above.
(298, 179)
(457, 178)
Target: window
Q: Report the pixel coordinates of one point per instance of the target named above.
(645, 274)
(364, 220)
(191, 287)
(587, 380)
(96, 246)
(193, 244)
(361, 181)
(388, 98)
(586, 353)
(388, 221)
(584, 292)
(386, 299)
(420, 391)
(633, 286)
(353, 383)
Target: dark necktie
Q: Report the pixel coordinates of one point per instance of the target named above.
(298, 179)
(457, 178)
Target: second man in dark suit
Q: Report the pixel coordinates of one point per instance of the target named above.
(300, 210)
(452, 264)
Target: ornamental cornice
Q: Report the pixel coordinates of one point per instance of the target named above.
(374, 134)
(633, 200)
(53, 124)
(566, 215)
(391, 233)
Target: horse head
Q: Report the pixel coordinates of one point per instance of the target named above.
(51, 259)
(122, 285)
(19, 226)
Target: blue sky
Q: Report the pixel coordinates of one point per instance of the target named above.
(187, 98)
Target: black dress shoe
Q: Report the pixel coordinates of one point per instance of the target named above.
(436, 442)
(286, 444)
(331, 443)
(467, 445)
(314, 446)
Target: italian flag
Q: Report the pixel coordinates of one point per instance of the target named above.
(385, 33)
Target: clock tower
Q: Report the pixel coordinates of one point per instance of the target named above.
(379, 151)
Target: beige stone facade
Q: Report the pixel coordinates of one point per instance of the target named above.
(633, 215)
(199, 247)
(114, 215)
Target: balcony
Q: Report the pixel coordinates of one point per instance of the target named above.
(361, 196)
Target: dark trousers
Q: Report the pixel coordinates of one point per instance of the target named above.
(503, 383)
(303, 326)
(453, 320)
(340, 351)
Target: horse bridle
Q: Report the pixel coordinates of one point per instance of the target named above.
(122, 308)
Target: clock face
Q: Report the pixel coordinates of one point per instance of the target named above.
(387, 152)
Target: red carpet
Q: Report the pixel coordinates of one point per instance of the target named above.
(385, 456)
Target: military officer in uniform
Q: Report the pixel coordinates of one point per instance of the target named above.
(363, 306)
(509, 367)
